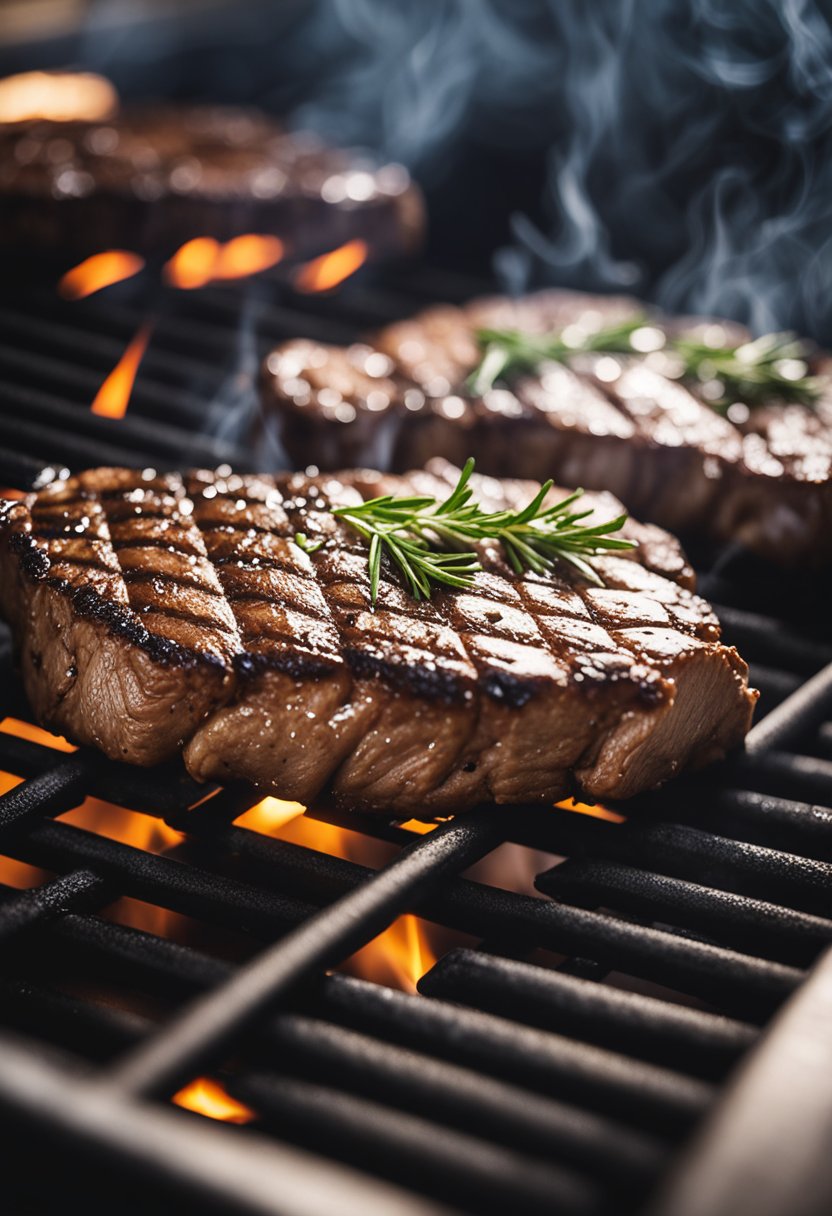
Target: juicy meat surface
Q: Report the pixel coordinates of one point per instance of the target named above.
(763, 479)
(152, 178)
(163, 614)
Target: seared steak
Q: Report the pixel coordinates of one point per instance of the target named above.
(159, 614)
(151, 179)
(763, 479)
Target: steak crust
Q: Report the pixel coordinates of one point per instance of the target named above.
(153, 178)
(163, 614)
(763, 480)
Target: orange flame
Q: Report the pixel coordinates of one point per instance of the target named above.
(402, 953)
(207, 1097)
(116, 822)
(98, 272)
(327, 271)
(593, 809)
(113, 397)
(398, 956)
(204, 260)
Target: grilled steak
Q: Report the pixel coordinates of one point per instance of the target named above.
(764, 480)
(151, 179)
(159, 614)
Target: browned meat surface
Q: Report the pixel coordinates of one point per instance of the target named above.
(620, 424)
(151, 179)
(159, 614)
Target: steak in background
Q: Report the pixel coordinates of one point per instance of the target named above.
(612, 423)
(151, 179)
(155, 615)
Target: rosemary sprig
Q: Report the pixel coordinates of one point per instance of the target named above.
(430, 542)
(508, 351)
(773, 367)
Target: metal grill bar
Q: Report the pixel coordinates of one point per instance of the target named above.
(752, 925)
(664, 1101)
(251, 1176)
(639, 1025)
(325, 939)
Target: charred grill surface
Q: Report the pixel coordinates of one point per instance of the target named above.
(161, 613)
(608, 423)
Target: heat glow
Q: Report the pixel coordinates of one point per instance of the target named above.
(593, 809)
(398, 957)
(204, 260)
(113, 397)
(57, 96)
(207, 1097)
(98, 272)
(327, 271)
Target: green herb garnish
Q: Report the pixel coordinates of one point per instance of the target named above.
(430, 541)
(773, 367)
(509, 351)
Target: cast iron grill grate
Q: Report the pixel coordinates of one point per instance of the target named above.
(562, 1058)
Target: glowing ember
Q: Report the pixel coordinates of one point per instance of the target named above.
(419, 826)
(98, 272)
(326, 272)
(113, 397)
(594, 810)
(36, 734)
(58, 96)
(270, 815)
(208, 1098)
(204, 260)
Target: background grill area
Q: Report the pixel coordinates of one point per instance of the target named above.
(563, 1060)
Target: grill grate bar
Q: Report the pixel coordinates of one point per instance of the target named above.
(480, 1176)
(802, 713)
(663, 1101)
(687, 852)
(760, 817)
(92, 440)
(245, 1175)
(70, 892)
(166, 882)
(751, 925)
(316, 1052)
(698, 968)
(488, 1108)
(325, 939)
(640, 1025)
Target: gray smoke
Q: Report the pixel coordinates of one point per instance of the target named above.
(688, 143)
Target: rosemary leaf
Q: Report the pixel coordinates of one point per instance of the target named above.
(773, 367)
(432, 543)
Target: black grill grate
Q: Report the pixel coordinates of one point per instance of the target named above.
(559, 1060)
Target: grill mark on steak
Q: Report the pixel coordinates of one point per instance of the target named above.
(136, 512)
(83, 563)
(154, 543)
(510, 690)
(175, 580)
(179, 614)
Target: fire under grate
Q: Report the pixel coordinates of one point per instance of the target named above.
(573, 1050)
